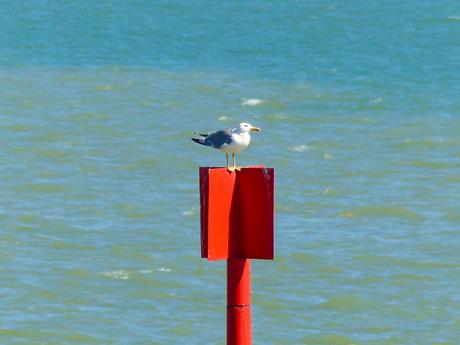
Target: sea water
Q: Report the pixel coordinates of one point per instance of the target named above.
(99, 205)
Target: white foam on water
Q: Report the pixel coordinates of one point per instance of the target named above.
(164, 269)
(224, 118)
(456, 18)
(376, 100)
(251, 101)
(300, 148)
(117, 274)
(190, 212)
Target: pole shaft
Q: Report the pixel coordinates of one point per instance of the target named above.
(238, 302)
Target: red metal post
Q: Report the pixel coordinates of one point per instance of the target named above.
(237, 224)
(239, 302)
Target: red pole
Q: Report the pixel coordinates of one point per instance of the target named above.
(238, 302)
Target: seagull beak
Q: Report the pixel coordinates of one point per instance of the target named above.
(255, 129)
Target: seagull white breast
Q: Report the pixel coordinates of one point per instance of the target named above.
(238, 143)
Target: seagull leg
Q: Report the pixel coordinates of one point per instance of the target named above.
(234, 163)
(231, 168)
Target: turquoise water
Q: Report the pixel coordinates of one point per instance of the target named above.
(99, 217)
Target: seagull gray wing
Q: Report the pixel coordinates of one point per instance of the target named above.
(218, 139)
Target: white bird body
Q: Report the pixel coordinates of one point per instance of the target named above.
(239, 142)
(228, 140)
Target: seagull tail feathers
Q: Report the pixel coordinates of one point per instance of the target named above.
(199, 141)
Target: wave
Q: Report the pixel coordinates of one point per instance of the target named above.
(382, 211)
(118, 274)
(251, 101)
(299, 148)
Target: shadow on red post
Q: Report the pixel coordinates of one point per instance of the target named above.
(237, 224)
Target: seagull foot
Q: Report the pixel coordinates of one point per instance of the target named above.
(233, 168)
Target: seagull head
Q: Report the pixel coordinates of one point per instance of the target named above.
(247, 127)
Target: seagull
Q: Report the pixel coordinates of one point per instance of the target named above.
(229, 140)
